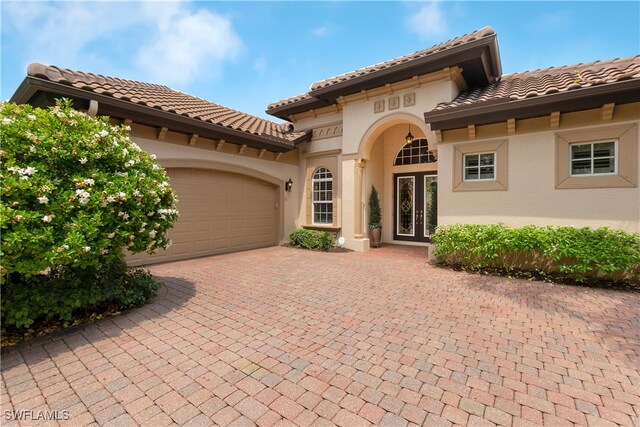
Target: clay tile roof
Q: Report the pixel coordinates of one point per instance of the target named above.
(548, 81)
(458, 41)
(166, 99)
(353, 75)
(288, 101)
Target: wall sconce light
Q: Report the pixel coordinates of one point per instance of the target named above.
(288, 186)
(409, 137)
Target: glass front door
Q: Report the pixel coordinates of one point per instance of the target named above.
(416, 206)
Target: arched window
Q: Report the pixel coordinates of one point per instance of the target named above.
(415, 153)
(322, 196)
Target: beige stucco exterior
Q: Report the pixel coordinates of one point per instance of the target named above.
(532, 195)
(174, 151)
(363, 139)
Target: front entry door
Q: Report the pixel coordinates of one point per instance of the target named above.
(416, 206)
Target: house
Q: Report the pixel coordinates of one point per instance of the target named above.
(442, 127)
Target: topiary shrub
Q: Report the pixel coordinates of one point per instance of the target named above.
(375, 214)
(579, 253)
(312, 239)
(75, 192)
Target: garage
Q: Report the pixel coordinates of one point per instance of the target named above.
(219, 212)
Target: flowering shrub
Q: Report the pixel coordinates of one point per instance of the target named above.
(75, 191)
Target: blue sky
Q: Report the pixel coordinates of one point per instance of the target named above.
(247, 54)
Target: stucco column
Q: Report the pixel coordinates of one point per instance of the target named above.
(359, 169)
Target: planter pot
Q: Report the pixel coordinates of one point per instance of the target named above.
(376, 234)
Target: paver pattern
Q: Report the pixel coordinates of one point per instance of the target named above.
(282, 336)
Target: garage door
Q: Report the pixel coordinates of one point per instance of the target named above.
(219, 212)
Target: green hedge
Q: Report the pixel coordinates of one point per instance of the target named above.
(575, 252)
(74, 293)
(312, 239)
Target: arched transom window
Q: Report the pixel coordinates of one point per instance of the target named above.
(322, 197)
(415, 153)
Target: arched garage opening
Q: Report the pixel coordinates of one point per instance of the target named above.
(220, 211)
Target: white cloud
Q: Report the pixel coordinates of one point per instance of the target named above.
(187, 45)
(165, 42)
(321, 31)
(429, 22)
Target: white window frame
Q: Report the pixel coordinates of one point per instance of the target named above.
(592, 143)
(313, 196)
(494, 166)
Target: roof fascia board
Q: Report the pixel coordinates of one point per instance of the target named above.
(145, 115)
(503, 109)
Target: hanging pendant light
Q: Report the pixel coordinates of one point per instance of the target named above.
(409, 137)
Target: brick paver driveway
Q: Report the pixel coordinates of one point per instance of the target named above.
(286, 336)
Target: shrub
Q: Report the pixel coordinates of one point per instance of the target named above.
(375, 216)
(75, 191)
(312, 239)
(576, 252)
(64, 294)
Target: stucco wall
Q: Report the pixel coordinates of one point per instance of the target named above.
(174, 150)
(531, 196)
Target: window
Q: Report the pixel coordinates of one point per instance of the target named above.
(415, 153)
(597, 158)
(322, 197)
(480, 167)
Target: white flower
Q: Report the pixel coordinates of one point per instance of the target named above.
(31, 116)
(82, 193)
(103, 133)
(111, 235)
(155, 167)
(86, 248)
(6, 121)
(150, 213)
(104, 251)
(127, 127)
(43, 200)
(153, 233)
(153, 156)
(125, 217)
(83, 160)
(89, 182)
(163, 184)
(122, 195)
(125, 152)
(46, 271)
(122, 174)
(47, 218)
(168, 245)
(32, 149)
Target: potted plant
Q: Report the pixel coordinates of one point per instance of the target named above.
(374, 217)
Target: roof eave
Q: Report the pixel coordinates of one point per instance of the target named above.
(143, 114)
(285, 111)
(429, 63)
(496, 111)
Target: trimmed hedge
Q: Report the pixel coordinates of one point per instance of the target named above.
(579, 253)
(312, 239)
